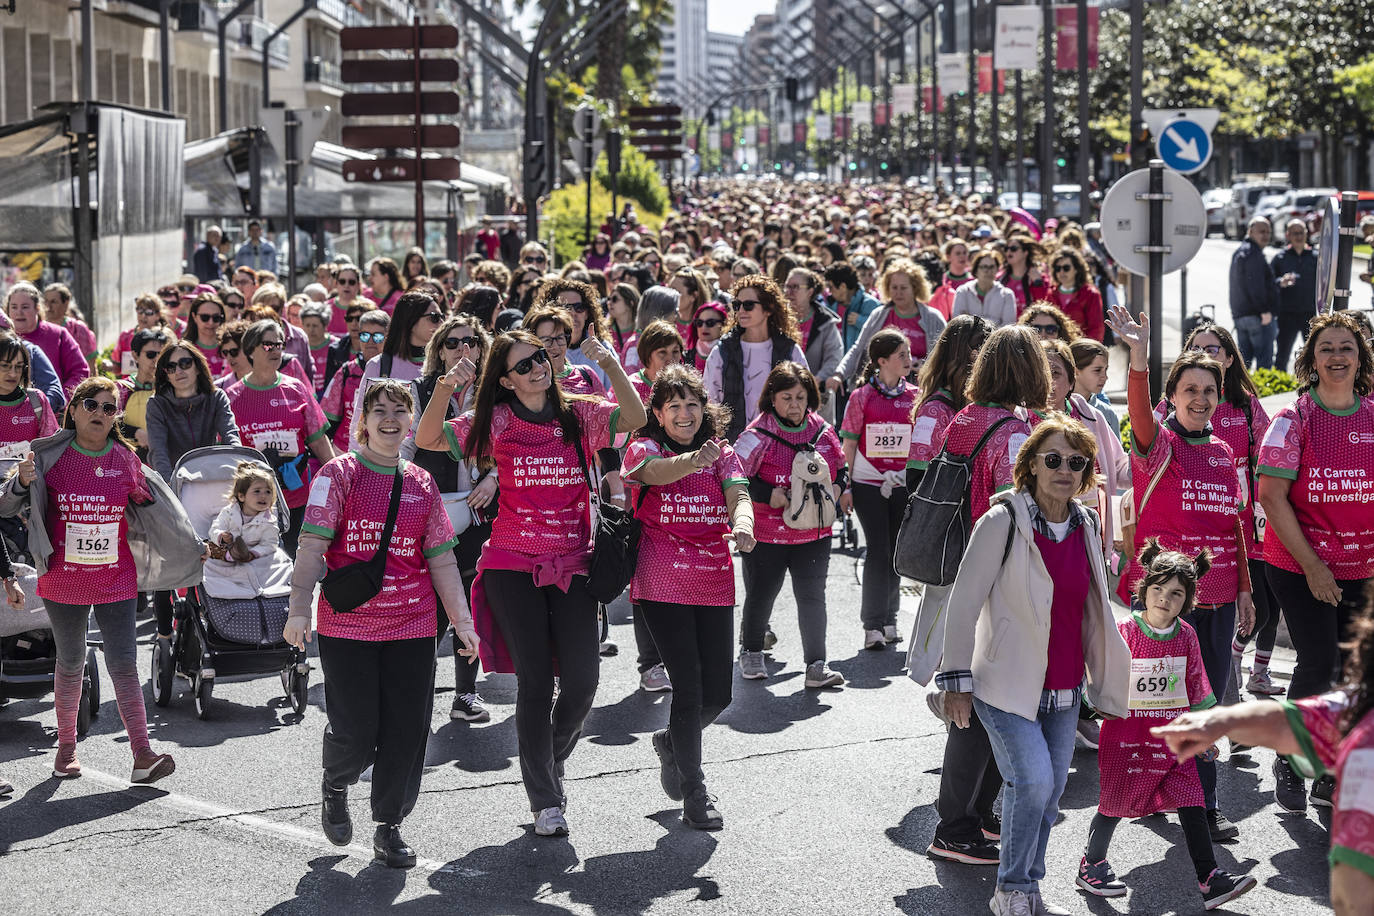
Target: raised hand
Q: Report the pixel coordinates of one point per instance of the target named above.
(28, 472)
(706, 456)
(1134, 334)
(594, 349)
(460, 376)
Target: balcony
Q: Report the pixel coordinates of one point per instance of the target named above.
(254, 33)
(138, 12)
(324, 72)
(198, 16)
(334, 9)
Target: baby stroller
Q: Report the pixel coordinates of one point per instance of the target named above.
(224, 636)
(28, 657)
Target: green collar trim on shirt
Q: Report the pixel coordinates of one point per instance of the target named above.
(1335, 413)
(992, 404)
(379, 468)
(567, 370)
(274, 384)
(1201, 439)
(324, 346)
(109, 444)
(16, 398)
(1149, 631)
(790, 429)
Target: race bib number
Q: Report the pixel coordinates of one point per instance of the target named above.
(93, 545)
(283, 440)
(1159, 683)
(1261, 523)
(128, 363)
(14, 451)
(887, 440)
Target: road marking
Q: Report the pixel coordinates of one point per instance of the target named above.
(204, 810)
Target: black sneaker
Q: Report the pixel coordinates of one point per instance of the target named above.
(1323, 790)
(699, 811)
(1290, 792)
(389, 849)
(992, 828)
(1222, 887)
(1098, 879)
(668, 776)
(978, 853)
(334, 817)
(1220, 826)
(470, 708)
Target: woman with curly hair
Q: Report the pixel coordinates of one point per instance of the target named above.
(761, 333)
(905, 292)
(1046, 319)
(582, 302)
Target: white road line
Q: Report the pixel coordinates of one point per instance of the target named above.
(203, 809)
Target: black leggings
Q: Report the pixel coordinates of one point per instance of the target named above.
(969, 782)
(698, 651)
(1195, 833)
(466, 552)
(292, 537)
(765, 567)
(882, 588)
(1317, 629)
(1266, 629)
(541, 624)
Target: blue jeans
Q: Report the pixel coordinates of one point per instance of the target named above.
(1034, 759)
(1256, 341)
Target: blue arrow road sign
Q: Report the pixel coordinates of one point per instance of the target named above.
(1184, 145)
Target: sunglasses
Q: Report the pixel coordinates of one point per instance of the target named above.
(453, 343)
(212, 317)
(185, 363)
(534, 259)
(1063, 268)
(748, 304)
(526, 365)
(271, 346)
(435, 317)
(353, 282)
(372, 336)
(352, 316)
(1046, 330)
(230, 353)
(1011, 248)
(707, 323)
(146, 354)
(1053, 460)
(579, 308)
(186, 289)
(147, 312)
(231, 304)
(91, 405)
(1209, 349)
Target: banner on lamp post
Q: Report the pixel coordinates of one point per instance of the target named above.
(861, 113)
(903, 99)
(882, 114)
(952, 73)
(985, 76)
(822, 127)
(750, 135)
(713, 138)
(1066, 37)
(932, 100)
(765, 134)
(844, 125)
(1017, 40)
(799, 133)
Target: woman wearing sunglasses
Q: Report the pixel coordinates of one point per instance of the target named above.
(708, 326)
(1188, 493)
(622, 307)
(349, 298)
(278, 416)
(1049, 323)
(762, 333)
(1037, 552)
(413, 323)
(1022, 275)
(583, 304)
(202, 332)
(149, 314)
(532, 575)
(82, 487)
(1075, 294)
(338, 398)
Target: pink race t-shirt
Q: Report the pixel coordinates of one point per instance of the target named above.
(1194, 505)
(348, 506)
(320, 357)
(881, 425)
(83, 335)
(928, 430)
(580, 380)
(643, 387)
(1329, 457)
(283, 416)
(544, 501)
(683, 528)
(769, 460)
(1317, 724)
(911, 327)
(211, 354)
(88, 495)
(20, 424)
(337, 400)
(993, 466)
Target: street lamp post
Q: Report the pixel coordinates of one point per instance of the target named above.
(1047, 173)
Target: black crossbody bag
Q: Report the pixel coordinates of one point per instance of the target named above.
(350, 587)
(615, 543)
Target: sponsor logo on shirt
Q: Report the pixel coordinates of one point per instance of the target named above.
(1218, 461)
(106, 472)
(1357, 438)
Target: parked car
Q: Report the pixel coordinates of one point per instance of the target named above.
(1364, 206)
(1299, 203)
(1241, 207)
(1066, 197)
(1215, 200)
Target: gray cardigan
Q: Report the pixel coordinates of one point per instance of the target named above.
(177, 425)
(932, 324)
(166, 549)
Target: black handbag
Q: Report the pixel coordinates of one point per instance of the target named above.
(615, 543)
(350, 587)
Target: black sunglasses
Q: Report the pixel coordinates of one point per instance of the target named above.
(91, 405)
(1046, 330)
(747, 304)
(212, 317)
(186, 289)
(707, 323)
(526, 365)
(578, 307)
(230, 353)
(453, 343)
(1061, 268)
(147, 311)
(185, 362)
(1053, 460)
(534, 259)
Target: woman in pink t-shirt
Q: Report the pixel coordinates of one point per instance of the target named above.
(692, 499)
(532, 575)
(1316, 484)
(378, 659)
(81, 494)
(207, 317)
(659, 346)
(553, 326)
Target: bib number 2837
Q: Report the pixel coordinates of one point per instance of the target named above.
(93, 545)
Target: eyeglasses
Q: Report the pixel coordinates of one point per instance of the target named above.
(351, 317)
(184, 364)
(748, 304)
(1209, 349)
(534, 259)
(526, 365)
(707, 323)
(1046, 330)
(1053, 460)
(372, 336)
(212, 317)
(271, 345)
(188, 290)
(435, 317)
(453, 343)
(231, 304)
(243, 281)
(91, 405)
(353, 282)
(1063, 268)
(555, 340)
(147, 312)
(231, 353)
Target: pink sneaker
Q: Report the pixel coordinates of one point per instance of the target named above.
(150, 767)
(66, 766)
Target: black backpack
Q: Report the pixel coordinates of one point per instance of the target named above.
(938, 519)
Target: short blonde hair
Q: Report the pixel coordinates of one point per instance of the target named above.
(1080, 439)
(920, 284)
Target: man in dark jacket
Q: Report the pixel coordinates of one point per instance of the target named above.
(1254, 297)
(1295, 271)
(205, 259)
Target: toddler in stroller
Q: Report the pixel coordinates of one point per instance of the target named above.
(246, 557)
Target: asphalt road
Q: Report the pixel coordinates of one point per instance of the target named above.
(827, 798)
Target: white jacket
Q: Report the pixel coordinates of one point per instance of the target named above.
(999, 307)
(267, 575)
(997, 621)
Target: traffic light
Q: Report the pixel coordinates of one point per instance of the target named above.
(1061, 162)
(744, 167)
(777, 166)
(882, 166)
(853, 166)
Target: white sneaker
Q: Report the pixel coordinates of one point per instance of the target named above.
(655, 680)
(1011, 903)
(818, 675)
(874, 639)
(890, 634)
(551, 822)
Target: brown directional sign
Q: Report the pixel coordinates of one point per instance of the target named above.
(655, 124)
(356, 104)
(432, 70)
(653, 111)
(662, 153)
(643, 140)
(447, 169)
(399, 137)
(391, 37)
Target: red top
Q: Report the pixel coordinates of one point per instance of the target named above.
(1067, 563)
(1083, 305)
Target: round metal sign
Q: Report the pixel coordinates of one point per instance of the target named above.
(1328, 246)
(1126, 221)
